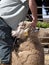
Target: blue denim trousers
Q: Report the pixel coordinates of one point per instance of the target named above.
(6, 42)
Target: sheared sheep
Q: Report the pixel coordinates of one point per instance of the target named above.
(28, 49)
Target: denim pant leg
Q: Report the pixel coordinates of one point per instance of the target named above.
(6, 42)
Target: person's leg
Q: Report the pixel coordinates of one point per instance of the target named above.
(5, 44)
(5, 53)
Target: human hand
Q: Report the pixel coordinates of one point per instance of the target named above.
(33, 24)
(34, 21)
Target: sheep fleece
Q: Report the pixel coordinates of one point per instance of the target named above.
(29, 52)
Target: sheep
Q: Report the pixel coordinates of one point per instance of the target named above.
(28, 49)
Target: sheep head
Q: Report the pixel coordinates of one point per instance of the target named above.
(24, 30)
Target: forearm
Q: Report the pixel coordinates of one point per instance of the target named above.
(33, 8)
